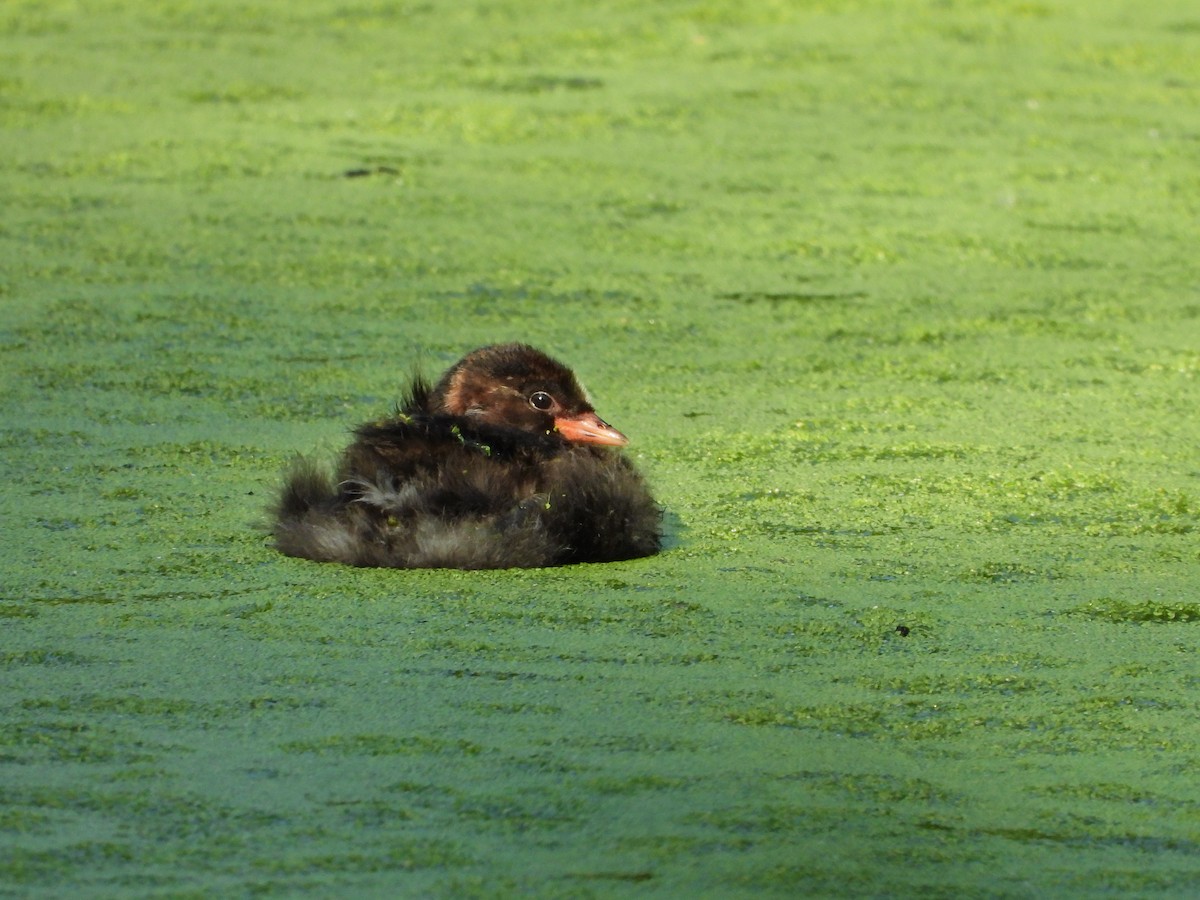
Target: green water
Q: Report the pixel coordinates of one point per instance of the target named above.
(898, 303)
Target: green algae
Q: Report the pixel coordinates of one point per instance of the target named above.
(1108, 609)
(897, 302)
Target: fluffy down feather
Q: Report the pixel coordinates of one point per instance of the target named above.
(480, 486)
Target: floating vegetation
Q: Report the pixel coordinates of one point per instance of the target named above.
(897, 303)
(1109, 609)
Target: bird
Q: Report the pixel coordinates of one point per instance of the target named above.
(502, 463)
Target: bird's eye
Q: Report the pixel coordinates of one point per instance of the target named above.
(541, 400)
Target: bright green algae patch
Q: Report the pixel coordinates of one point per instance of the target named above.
(898, 302)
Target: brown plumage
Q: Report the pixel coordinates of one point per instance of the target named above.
(502, 463)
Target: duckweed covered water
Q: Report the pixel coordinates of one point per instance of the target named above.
(898, 302)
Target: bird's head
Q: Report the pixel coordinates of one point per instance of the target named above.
(516, 386)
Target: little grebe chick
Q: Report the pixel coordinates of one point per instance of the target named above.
(502, 463)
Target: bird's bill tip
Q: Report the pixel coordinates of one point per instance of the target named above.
(589, 428)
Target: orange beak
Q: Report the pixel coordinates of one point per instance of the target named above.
(589, 428)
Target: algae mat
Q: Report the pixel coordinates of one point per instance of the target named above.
(898, 302)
